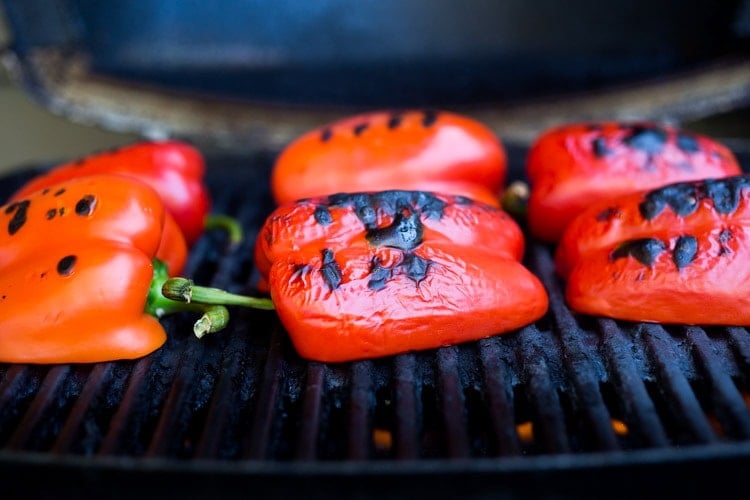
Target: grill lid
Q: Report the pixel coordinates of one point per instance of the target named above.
(566, 406)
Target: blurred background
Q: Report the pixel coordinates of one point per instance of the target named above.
(30, 133)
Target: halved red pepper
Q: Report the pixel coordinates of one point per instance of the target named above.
(677, 254)
(383, 150)
(173, 168)
(82, 264)
(575, 165)
(365, 275)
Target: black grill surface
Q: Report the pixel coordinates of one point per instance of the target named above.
(571, 406)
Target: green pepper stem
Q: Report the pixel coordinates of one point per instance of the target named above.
(229, 224)
(515, 200)
(169, 295)
(183, 289)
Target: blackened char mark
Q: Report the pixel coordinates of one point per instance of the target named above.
(687, 143)
(412, 266)
(20, 212)
(367, 205)
(599, 147)
(429, 117)
(85, 206)
(66, 265)
(685, 250)
(684, 197)
(330, 269)
(647, 138)
(405, 233)
(644, 250)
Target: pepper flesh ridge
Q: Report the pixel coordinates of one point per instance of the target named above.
(714, 289)
(605, 223)
(574, 165)
(173, 169)
(379, 151)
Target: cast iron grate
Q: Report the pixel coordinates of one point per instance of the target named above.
(565, 386)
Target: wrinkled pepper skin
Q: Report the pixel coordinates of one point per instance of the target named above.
(575, 165)
(366, 275)
(174, 169)
(407, 150)
(677, 254)
(75, 271)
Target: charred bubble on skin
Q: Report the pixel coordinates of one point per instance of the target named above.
(367, 205)
(684, 197)
(330, 269)
(322, 215)
(644, 250)
(608, 214)
(647, 138)
(50, 214)
(687, 143)
(599, 147)
(405, 232)
(395, 121)
(66, 265)
(20, 211)
(685, 250)
(379, 274)
(726, 193)
(360, 128)
(85, 206)
(326, 134)
(429, 117)
(724, 237)
(412, 266)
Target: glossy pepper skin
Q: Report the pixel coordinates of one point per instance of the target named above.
(575, 165)
(677, 254)
(173, 168)
(75, 270)
(366, 275)
(410, 150)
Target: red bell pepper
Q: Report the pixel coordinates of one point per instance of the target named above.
(378, 151)
(573, 166)
(174, 169)
(82, 265)
(677, 254)
(365, 275)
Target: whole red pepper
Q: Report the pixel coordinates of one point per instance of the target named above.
(677, 254)
(364, 275)
(173, 168)
(383, 150)
(82, 264)
(575, 165)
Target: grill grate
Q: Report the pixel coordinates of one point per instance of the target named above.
(567, 387)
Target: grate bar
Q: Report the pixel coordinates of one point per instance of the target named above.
(452, 400)
(360, 430)
(408, 407)
(730, 407)
(686, 408)
(640, 414)
(97, 380)
(741, 343)
(548, 415)
(259, 438)
(499, 397)
(42, 402)
(309, 433)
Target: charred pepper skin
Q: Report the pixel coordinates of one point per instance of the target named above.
(366, 275)
(677, 254)
(575, 165)
(384, 150)
(706, 203)
(75, 268)
(173, 168)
